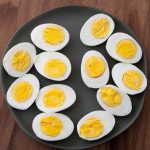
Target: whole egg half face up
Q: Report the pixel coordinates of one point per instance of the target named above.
(56, 97)
(129, 78)
(19, 59)
(50, 37)
(94, 69)
(52, 126)
(53, 65)
(124, 48)
(97, 29)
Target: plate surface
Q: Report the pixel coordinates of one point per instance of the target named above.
(72, 18)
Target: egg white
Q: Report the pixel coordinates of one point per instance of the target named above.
(33, 80)
(28, 47)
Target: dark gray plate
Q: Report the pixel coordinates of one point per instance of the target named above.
(72, 18)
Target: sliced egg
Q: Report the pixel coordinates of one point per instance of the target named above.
(52, 126)
(124, 48)
(129, 78)
(114, 100)
(94, 69)
(19, 59)
(50, 37)
(56, 97)
(97, 29)
(53, 65)
(95, 125)
(23, 92)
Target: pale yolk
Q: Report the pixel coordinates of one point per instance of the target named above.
(21, 61)
(126, 49)
(110, 96)
(55, 68)
(53, 35)
(54, 97)
(22, 91)
(51, 126)
(94, 66)
(91, 128)
(100, 28)
(132, 79)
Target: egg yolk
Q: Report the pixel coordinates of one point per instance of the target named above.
(91, 128)
(132, 79)
(94, 66)
(126, 49)
(54, 97)
(100, 28)
(21, 61)
(55, 68)
(22, 91)
(53, 35)
(51, 126)
(110, 96)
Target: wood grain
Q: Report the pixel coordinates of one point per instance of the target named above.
(135, 13)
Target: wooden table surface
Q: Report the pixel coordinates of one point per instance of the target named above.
(136, 13)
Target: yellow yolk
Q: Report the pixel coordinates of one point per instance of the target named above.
(94, 66)
(132, 79)
(53, 35)
(110, 96)
(91, 128)
(54, 97)
(100, 28)
(21, 61)
(51, 126)
(22, 91)
(55, 68)
(126, 49)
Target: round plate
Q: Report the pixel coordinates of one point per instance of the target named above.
(72, 18)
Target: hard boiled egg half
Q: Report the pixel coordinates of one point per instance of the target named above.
(23, 92)
(94, 69)
(19, 59)
(124, 48)
(97, 29)
(95, 125)
(129, 78)
(50, 37)
(114, 100)
(53, 65)
(56, 97)
(52, 126)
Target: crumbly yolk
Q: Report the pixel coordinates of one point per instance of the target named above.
(132, 79)
(91, 128)
(51, 126)
(55, 68)
(94, 66)
(21, 61)
(22, 91)
(100, 28)
(53, 35)
(54, 97)
(126, 49)
(110, 96)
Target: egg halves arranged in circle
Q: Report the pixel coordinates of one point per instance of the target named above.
(97, 29)
(23, 92)
(56, 97)
(129, 78)
(124, 48)
(53, 65)
(52, 126)
(94, 69)
(19, 59)
(95, 125)
(50, 37)
(114, 100)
